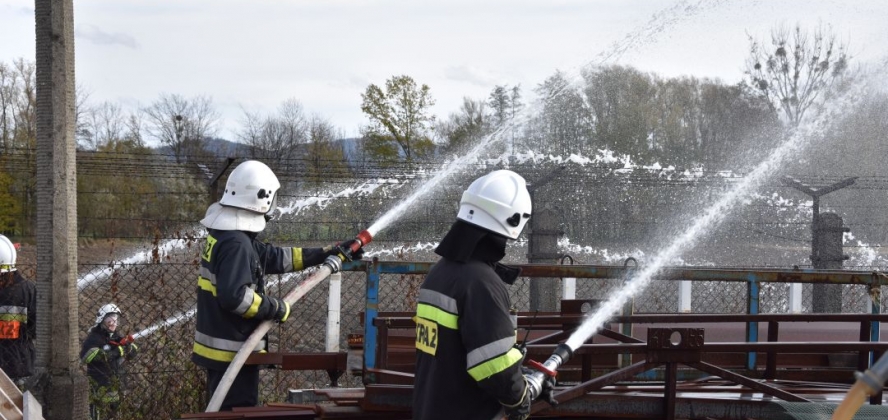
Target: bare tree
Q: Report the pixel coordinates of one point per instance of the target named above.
(324, 155)
(466, 126)
(795, 70)
(182, 124)
(275, 139)
(101, 125)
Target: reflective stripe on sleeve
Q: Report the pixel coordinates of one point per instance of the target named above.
(298, 264)
(288, 258)
(495, 365)
(443, 318)
(249, 305)
(489, 351)
(90, 355)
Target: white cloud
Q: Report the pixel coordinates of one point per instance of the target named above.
(324, 53)
(97, 36)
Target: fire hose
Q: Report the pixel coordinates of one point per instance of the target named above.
(868, 383)
(331, 265)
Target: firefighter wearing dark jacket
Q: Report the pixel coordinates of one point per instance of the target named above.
(231, 298)
(104, 352)
(18, 317)
(467, 364)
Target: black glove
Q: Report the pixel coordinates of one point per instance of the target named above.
(520, 411)
(280, 310)
(343, 250)
(112, 352)
(548, 392)
(548, 388)
(130, 350)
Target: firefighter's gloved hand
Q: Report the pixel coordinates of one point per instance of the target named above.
(130, 350)
(548, 391)
(343, 250)
(280, 310)
(113, 352)
(520, 411)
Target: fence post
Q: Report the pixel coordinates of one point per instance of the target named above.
(568, 284)
(827, 255)
(684, 296)
(875, 294)
(795, 298)
(752, 327)
(334, 305)
(371, 310)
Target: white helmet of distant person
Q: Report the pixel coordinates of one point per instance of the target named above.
(106, 310)
(7, 255)
(498, 202)
(250, 194)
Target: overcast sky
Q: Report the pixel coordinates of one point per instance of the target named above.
(255, 54)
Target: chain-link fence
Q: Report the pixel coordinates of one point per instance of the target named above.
(157, 297)
(599, 205)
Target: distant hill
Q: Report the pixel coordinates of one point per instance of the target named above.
(216, 146)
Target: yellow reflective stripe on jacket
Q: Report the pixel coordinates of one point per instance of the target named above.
(254, 307)
(298, 263)
(495, 365)
(213, 354)
(219, 349)
(248, 308)
(90, 355)
(206, 285)
(443, 318)
(14, 317)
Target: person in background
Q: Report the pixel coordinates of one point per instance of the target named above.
(18, 317)
(231, 296)
(467, 364)
(104, 352)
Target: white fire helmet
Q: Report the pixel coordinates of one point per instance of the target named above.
(250, 194)
(106, 310)
(498, 202)
(251, 186)
(7, 255)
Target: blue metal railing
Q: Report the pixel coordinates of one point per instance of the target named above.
(753, 278)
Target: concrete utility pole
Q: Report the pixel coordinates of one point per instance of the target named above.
(543, 247)
(62, 387)
(826, 244)
(213, 183)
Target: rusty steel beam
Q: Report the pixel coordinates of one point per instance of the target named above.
(747, 382)
(611, 405)
(599, 382)
(548, 322)
(806, 275)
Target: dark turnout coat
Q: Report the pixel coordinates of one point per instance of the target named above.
(18, 324)
(231, 299)
(467, 365)
(104, 359)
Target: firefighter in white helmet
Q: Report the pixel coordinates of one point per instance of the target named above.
(467, 365)
(18, 316)
(104, 353)
(231, 296)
